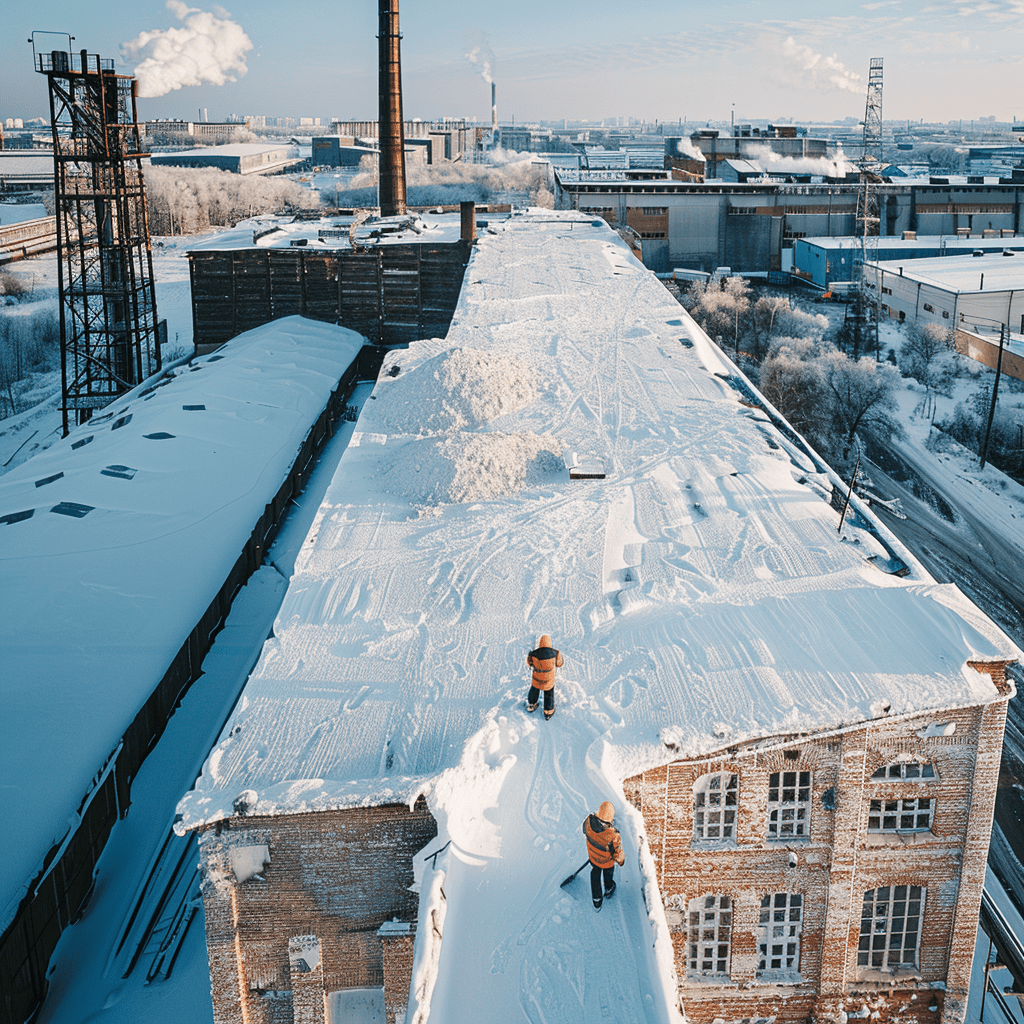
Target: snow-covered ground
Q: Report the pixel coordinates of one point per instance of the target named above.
(701, 594)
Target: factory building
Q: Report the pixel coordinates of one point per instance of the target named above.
(188, 133)
(746, 142)
(702, 226)
(25, 171)
(239, 158)
(968, 293)
(824, 260)
(801, 733)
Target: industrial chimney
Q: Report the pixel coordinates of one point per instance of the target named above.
(494, 108)
(392, 140)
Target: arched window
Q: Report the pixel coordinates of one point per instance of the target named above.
(714, 807)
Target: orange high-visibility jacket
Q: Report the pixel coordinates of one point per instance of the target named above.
(544, 661)
(604, 844)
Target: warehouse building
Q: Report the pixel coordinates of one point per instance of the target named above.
(824, 260)
(238, 158)
(972, 289)
(701, 226)
(801, 730)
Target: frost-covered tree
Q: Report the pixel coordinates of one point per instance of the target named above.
(792, 378)
(863, 393)
(773, 317)
(185, 200)
(928, 354)
(720, 309)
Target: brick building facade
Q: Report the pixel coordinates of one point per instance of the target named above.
(832, 877)
(295, 906)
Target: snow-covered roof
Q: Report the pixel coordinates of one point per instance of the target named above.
(228, 149)
(700, 592)
(963, 273)
(951, 242)
(114, 541)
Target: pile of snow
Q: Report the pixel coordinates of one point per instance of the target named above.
(454, 390)
(472, 467)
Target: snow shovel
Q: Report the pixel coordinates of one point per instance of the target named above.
(574, 874)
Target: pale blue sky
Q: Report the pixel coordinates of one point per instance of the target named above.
(663, 59)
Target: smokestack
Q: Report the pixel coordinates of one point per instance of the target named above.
(392, 140)
(494, 108)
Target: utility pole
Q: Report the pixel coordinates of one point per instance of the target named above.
(995, 392)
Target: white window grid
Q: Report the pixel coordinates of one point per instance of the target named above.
(905, 771)
(778, 933)
(709, 935)
(908, 815)
(789, 805)
(714, 806)
(890, 928)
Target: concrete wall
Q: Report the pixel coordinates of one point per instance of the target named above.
(834, 866)
(307, 924)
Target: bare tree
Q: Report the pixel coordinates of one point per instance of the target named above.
(793, 380)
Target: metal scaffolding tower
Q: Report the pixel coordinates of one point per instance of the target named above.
(873, 116)
(110, 336)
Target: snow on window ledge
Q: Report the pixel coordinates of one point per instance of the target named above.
(887, 978)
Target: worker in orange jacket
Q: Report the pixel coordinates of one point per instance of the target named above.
(543, 659)
(604, 848)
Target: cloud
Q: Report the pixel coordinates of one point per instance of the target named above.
(820, 70)
(208, 48)
(482, 56)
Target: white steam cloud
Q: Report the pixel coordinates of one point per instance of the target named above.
(823, 71)
(771, 162)
(482, 57)
(686, 148)
(206, 49)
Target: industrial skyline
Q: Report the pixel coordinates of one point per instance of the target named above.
(946, 59)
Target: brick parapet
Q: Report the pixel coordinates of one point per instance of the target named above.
(333, 875)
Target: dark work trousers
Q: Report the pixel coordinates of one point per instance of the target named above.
(549, 697)
(595, 880)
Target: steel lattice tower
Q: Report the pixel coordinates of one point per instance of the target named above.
(108, 321)
(873, 115)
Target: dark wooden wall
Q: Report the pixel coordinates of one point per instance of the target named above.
(392, 294)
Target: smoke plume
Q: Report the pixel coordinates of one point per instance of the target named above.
(482, 57)
(205, 49)
(686, 148)
(774, 163)
(824, 72)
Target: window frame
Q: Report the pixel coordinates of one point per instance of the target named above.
(868, 945)
(714, 914)
(727, 810)
(799, 825)
(881, 809)
(886, 773)
(768, 920)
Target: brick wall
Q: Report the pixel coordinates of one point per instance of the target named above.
(306, 924)
(398, 957)
(834, 865)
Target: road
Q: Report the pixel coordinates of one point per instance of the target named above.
(956, 546)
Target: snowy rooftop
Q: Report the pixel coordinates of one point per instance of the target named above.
(700, 592)
(333, 232)
(951, 242)
(963, 273)
(113, 543)
(229, 149)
